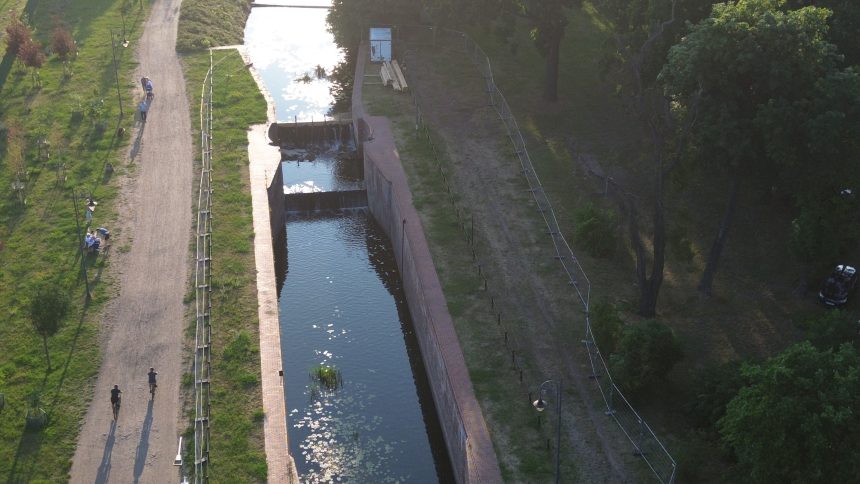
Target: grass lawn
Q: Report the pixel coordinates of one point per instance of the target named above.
(79, 117)
(237, 453)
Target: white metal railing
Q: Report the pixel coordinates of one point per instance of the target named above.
(203, 288)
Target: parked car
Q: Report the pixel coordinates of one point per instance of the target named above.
(838, 285)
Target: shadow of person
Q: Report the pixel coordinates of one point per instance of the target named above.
(135, 147)
(143, 445)
(104, 467)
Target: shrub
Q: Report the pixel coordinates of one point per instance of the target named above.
(17, 36)
(63, 44)
(646, 353)
(831, 329)
(595, 230)
(713, 389)
(32, 55)
(606, 326)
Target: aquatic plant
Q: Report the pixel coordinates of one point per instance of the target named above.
(327, 376)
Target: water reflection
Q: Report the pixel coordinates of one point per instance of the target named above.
(335, 313)
(323, 171)
(288, 44)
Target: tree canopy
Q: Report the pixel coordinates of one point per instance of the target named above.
(48, 308)
(796, 420)
(756, 73)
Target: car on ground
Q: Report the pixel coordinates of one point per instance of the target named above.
(838, 285)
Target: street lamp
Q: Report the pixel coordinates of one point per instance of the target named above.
(540, 406)
(81, 243)
(116, 71)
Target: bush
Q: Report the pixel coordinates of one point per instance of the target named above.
(606, 326)
(713, 389)
(831, 329)
(63, 44)
(595, 230)
(646, 353)
(17, 36)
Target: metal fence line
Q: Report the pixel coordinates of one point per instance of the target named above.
(203, 288)
(644, 440)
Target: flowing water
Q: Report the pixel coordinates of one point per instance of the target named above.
(358, 402)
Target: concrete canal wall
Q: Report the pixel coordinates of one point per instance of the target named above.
(390, 201)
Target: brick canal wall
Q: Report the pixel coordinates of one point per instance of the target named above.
(390, 201)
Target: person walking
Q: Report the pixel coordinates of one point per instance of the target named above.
(143, 107)
(152, 383)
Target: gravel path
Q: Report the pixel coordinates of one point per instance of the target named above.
(143, 325)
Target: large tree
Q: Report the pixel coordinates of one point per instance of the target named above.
(844, 24)
(797, 419)
(547, 21)
(750, 66)
(643, 32)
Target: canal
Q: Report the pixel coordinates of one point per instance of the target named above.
(358, 401)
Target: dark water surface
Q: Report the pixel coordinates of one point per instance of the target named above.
(342, 307)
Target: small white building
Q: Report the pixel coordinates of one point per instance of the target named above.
(380, 44)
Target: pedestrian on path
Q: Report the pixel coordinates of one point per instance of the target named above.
(143, 107)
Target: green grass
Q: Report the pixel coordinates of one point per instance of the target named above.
(208, 23)
(39, 240)
(237, 453)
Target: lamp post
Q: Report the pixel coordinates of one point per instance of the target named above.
(540, 406)
(116, 71)
(81, 245)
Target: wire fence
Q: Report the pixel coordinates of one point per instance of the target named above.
(203, 288)
(641, 436)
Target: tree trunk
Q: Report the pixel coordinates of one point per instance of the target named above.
(707, 282)
(550, 92)
(649, 287)
(47, 355)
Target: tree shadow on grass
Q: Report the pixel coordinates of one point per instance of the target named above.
(29, 447)
(26, 457)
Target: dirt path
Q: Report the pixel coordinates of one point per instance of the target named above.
(489, 182)
(143, 325)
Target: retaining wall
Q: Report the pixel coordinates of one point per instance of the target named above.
(390, 201)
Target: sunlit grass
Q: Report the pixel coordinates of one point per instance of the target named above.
(236, 426)
(39, 240)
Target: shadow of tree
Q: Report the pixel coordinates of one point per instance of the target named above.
(26, 457)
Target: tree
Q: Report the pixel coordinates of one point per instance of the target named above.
(547, 23)
(797, 419)
(644, 30)
(17, 35)
(63, 44)
(844, 24)
(748, 67)
(48, 308)
(32, 56)
(832, 329)
(646, 353)
(349, 20)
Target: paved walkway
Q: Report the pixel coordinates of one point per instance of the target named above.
(144, 324)
(263, 162)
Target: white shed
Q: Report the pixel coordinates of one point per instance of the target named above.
(380, 44)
